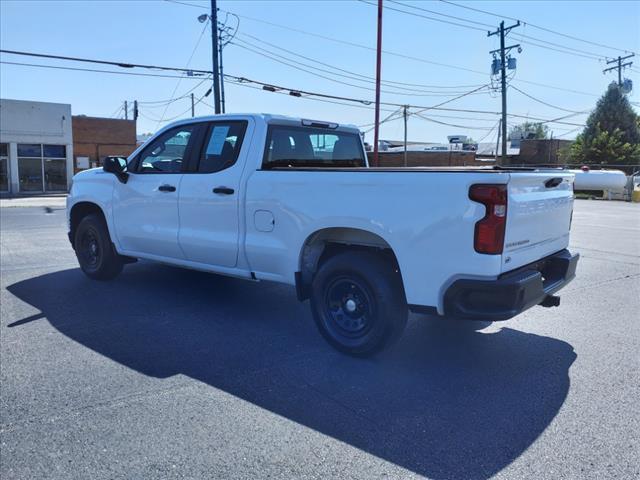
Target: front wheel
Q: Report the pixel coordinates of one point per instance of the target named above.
(96, 255)
(358, 302)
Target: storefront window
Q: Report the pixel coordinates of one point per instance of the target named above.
(30, 173)
(55, 175)
(55, 151)
(29, 150)
(55, 171)
(42, 167)
(4, 167)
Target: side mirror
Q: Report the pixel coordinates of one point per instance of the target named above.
(117, 166)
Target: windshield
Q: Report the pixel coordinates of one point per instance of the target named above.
(312, 147)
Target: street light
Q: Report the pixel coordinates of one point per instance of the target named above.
(224, 36)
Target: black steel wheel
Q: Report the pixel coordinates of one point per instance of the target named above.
(348, 306)
(89, 248)
(358, 302)
(94, 250)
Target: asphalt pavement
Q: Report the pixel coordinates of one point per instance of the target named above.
(168, 373)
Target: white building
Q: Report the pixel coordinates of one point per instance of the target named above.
(36, 147)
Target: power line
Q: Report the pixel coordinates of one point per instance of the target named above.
(569, 132)
(185, 3)
(239, 79)
(406, 5)
(497, 124)
(538, 27)
(116, 112)
(440, 106)
(104, 62)
(385, 120)
(425, 16)
(558, 48)
(324, 100)
(300, 93)
(297, 65)
(451, 100)
(542, 102)
(165, 120)
(582, 52)
(388, 52)
(193, 52)
(388, 82)
(466, 127)
(565, 50)
(160, 103)
(558, 120)
(136, 74)
(367, 107)
(270, 55)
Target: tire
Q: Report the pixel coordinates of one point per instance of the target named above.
(358, 303)
(94, 250)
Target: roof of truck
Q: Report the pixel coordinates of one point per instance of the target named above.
(268, 118)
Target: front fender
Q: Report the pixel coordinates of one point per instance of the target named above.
(94, 186)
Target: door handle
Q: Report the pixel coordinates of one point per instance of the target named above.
(167, 188)
(223, 190)
(553, 182)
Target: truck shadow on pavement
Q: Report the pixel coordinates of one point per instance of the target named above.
(444, 402)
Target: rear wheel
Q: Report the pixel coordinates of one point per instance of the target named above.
(94, 250)
(358, 302)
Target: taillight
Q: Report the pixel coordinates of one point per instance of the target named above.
(489, 232)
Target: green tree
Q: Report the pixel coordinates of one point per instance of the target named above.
(522, 130)
(612, 132)
(605, 147)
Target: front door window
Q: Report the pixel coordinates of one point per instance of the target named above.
(166, 153)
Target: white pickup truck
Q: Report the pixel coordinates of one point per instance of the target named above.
(267, 197)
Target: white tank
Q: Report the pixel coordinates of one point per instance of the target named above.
(612, 180)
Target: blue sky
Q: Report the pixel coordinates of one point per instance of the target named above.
(166, 33)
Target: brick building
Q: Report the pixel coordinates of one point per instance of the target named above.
(416, 158)
(95, 138)
(542, 152)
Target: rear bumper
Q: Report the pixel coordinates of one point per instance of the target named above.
(512, 292)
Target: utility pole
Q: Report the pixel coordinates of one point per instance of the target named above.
(498, 139)
(502, 31)
(620, 66)
(225, 35)
(193, 107)
(404, 114)
(214, 52)
(378, 72)
(135, 110)
(126, 110)
(221, 74)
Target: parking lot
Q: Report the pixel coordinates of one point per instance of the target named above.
(166, 373)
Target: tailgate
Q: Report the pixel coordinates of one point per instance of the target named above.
(539, 209)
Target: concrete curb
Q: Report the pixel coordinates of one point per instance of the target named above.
(58, 201)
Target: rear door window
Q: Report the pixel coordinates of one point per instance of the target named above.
(222, 146)
(312, 147)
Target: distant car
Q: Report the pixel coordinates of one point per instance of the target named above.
(266, 197)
